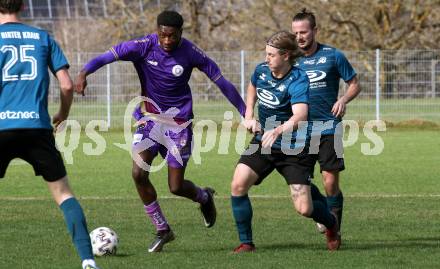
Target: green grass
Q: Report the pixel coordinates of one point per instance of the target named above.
(391, 110)
(391, 217)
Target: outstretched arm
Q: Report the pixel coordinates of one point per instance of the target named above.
(231, 93)
(90, 67)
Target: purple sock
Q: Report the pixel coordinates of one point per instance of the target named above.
(156, 216)
(202, 196)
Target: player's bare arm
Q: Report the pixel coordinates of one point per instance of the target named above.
(251, 124)
(81, 82)
(353, 90)
(300, 111)
(66, 95)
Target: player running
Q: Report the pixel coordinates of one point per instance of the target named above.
(282, 91)
(164, 62)
(325, 66)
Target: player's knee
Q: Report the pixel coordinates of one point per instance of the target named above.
(176, 189)
(238, 188)
(304, 210)
(139, 175)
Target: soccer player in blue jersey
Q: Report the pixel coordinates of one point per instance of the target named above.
(26, 54)
(164, 62)
(325, 66)
(282, 92)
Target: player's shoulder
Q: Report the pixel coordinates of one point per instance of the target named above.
(191, 48)
(329, 50)
(262, 67)
(24, 30)
(297, 73)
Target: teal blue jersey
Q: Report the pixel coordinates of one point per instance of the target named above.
(325, 68)
(26, 54)
(276, 97)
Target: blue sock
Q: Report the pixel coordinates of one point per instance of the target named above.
(316, 194)
(321, 214)
(242, 211)
(76, 224)
(336, 204)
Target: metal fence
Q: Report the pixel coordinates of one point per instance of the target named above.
(79, 9)
(396, 86)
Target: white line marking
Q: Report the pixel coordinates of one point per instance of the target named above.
(98, 198)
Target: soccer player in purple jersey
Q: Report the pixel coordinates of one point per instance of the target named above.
(164, 62)
(325, 66)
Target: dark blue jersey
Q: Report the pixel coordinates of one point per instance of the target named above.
(325, 68)
(276, 97)
(26, 54)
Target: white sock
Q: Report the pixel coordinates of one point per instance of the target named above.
(88, 262)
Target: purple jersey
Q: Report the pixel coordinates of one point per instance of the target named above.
(164, 75)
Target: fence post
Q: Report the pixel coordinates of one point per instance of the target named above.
(68, 8)
(433, 65)
(242, 73)
(49, 8)
(31, 9)
(108, 98)
(377, 84)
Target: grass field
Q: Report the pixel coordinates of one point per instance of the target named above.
(391, 217)
(391, 110)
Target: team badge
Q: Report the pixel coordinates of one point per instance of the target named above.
(177, 70)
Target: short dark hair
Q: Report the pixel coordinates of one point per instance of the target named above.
(304, 14)
(170, 18)
(10, 6)
(286, 43)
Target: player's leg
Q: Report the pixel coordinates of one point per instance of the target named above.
(180, 186)
(75, 220)
(244, 178)
(143, 152)
(176, 149)
(47, 162)
(331, 164)
(251, 169)
(297, 170)
(318, 211)
(152, 208)
(8, 150)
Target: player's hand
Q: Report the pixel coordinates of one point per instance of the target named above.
(58, 118)
(252, 125)
(80, 83)
(269, 137)
(339, 108)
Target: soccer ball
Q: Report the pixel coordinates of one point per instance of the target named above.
(104, 241)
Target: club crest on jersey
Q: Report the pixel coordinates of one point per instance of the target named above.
(267, 97)
(281, 88)
(177, 70)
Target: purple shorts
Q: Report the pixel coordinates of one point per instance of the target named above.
(171, 141)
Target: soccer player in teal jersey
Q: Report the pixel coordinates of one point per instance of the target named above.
(26, 54)
(325, 66)
(282, 92)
